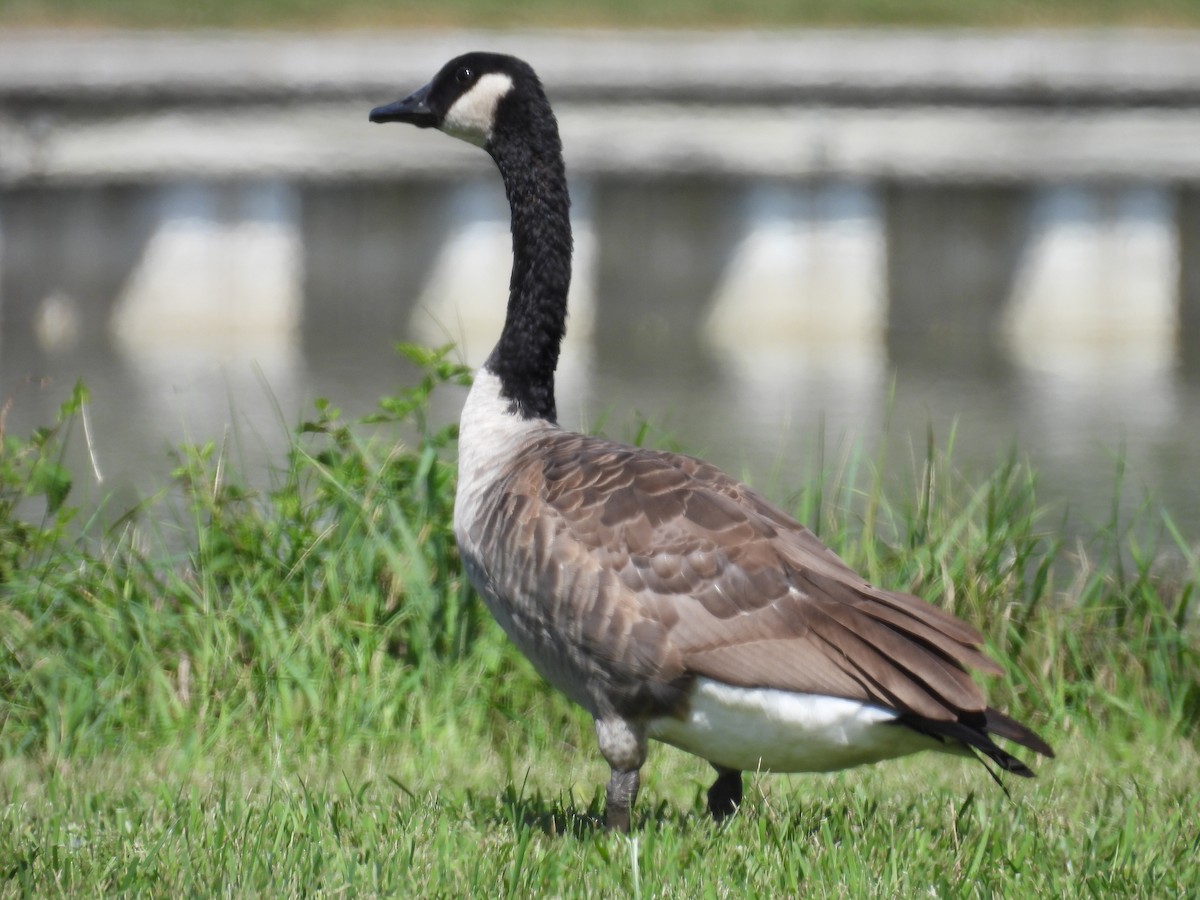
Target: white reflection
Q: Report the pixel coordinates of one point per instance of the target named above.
(57, 322)
(207, 323)
(809, 271)
(802, 302)
(1098, 288)
(1093, 320)
(221, 274)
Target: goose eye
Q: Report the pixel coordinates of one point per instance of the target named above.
(463, 75)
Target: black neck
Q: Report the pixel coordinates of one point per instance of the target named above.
(528, 152)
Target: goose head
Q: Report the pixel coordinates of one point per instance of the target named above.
(496, 102)
(472, 97)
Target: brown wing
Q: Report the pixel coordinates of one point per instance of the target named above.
(676, 569)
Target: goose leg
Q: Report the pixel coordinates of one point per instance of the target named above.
(623, 744)
(622, 793)
(725, 795)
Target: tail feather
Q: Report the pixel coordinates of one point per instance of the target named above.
(975, 733)
(1001, 725)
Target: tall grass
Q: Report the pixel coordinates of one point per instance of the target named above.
(308, 697)
(602, 13)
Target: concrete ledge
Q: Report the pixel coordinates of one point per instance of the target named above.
(335, 142)
(1140, 67)
(939, 106)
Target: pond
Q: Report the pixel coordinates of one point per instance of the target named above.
(748, 320)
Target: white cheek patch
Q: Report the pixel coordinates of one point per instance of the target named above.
(474, 113)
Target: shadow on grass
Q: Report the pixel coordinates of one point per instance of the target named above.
(565, 816)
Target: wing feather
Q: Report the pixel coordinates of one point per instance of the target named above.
(673, 569)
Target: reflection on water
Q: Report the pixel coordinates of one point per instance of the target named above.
(742, 318)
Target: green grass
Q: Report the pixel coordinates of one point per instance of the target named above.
(307, 699)
(599, 13)
(1089, 826)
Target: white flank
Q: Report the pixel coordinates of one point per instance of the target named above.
(473, 115)
(768, 730)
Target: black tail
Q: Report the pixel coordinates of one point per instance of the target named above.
(997, 723)
(975, 732)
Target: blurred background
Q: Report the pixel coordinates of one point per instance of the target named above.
(804, 230)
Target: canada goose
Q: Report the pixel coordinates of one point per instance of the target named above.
(663, 596)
